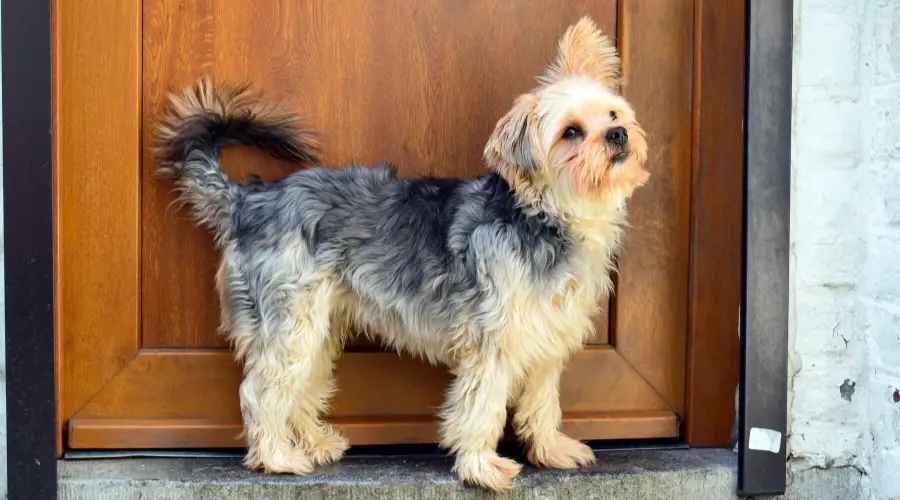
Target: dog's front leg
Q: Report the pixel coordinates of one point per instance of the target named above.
(473, 419)
(538, 417)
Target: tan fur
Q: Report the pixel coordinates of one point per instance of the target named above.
(581, 182)
(537, 328)
(584, 50)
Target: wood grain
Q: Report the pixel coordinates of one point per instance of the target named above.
(203, 383)
(715, 279)
(112, 433)
(601, 324)
(96, 95)
(189, 398)
(419, 84)
(651, 306)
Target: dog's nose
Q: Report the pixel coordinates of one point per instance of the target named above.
(617, 136)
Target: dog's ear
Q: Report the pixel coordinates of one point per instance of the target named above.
(514, 147)
(585, 50)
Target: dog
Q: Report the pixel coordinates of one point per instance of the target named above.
(497, 277)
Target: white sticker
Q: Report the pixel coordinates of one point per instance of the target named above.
(764, 440)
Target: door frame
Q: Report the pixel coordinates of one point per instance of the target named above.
(718, 178)
(767, 239)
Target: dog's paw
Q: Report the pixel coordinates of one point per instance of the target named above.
(487, 470)
(329, 448)
(282, 461)
(562, 452)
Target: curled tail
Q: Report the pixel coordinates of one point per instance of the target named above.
(199, 123)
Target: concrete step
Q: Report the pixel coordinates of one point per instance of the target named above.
(647, 474)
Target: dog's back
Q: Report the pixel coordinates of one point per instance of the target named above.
(406, 251)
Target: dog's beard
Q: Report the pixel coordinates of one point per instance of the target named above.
(618, 157)
(592, 164)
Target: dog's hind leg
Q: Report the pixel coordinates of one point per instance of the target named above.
(287, 379)
(313, 389)
(266, 401)
(253, 324)
(474, 416)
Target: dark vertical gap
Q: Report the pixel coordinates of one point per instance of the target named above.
(742, 315)
(141, 166)
(612, 303)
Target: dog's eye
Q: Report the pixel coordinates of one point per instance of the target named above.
(571, 133)
(613, 115)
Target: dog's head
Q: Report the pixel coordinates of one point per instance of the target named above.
(574, 137)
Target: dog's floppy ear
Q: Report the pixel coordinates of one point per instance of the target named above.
(514, 144)
(585, 50)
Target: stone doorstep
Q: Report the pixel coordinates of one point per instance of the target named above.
(696, 474)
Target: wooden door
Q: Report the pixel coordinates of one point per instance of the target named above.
(417, 83)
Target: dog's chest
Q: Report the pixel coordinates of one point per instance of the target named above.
(557, 316)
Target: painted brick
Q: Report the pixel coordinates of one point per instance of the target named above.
(885, 413)
(818, 56)
(882, 200)
(884, 59)
(883, 140)
(831, 133)
(882, 269)
(885, 479)
(845, 215)
(881, 323)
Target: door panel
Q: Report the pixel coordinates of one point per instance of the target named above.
(652, 288)
(376, 402)
(98, 198)
(418, 84)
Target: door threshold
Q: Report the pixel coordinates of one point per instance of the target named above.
(370, 452)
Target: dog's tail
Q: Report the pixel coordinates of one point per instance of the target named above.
(203, 120)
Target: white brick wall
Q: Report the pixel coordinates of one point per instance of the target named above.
(845, 268)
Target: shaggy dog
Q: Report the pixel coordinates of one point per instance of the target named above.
(497, 277)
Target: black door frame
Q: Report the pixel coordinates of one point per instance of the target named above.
(762, 413)
(28, 249)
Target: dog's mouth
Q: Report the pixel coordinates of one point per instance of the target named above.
(618, 157)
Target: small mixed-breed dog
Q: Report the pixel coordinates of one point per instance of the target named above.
(497, 277)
